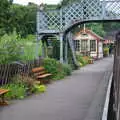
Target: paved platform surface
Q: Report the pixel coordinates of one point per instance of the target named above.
(77, 97)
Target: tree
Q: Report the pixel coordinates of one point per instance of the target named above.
(14, 16)
(4, 16)
(24, 18)
(66, 2)
(97, 28)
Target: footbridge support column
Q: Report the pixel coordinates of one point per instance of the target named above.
(61, 47)
(66, 51)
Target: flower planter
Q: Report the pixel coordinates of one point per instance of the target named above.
(90, 61)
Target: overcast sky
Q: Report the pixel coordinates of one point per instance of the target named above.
(25, 2)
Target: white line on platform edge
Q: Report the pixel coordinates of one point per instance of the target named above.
(106, 105)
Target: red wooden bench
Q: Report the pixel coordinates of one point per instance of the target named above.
(2, 96)
(41, 75)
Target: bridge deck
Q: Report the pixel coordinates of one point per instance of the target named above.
(78, 97)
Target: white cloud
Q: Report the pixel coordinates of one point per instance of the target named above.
(25, 2)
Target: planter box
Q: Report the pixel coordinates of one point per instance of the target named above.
(91, 61)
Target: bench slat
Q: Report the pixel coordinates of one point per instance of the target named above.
(44, 76)
(3, 91)
(39, 73)
(38, 69)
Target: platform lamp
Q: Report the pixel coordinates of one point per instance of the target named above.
(41, 7)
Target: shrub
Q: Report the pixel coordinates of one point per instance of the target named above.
(81, 64)
(17, 91)
(26, 81)
(106, 51)
(21, 87)
(9, 48)
(15, 48)
(81, 60)
(67, 69)
(51, 65)
(40, 88)
(84, 60)
(54, 67)
(57, 69)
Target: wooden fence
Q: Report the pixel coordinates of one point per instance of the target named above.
(7, 71)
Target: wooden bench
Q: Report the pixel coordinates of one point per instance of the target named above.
(41, 75)
(2, 96)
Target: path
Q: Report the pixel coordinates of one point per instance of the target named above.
(78, 97)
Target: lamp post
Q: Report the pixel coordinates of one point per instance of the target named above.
(41, 7)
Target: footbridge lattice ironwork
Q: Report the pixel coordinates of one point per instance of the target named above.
(62, 20)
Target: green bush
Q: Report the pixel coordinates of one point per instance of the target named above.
(57, 69)
(14, 48)
(51, 65)
(106, 51)
(67, 69)
(17, 91)
(21, 87)
(80, 64)
(54, 67)
(40, 88)
(82, 61)
(9, 48)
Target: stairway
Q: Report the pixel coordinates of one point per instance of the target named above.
(71, 44)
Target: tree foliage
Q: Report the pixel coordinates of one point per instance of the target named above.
(24, 18)
(97, 28)
(14, 16)
(9, 48)
(4, 16)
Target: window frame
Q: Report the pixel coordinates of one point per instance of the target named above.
(85, 46)
(93, 46)
(77, 45)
